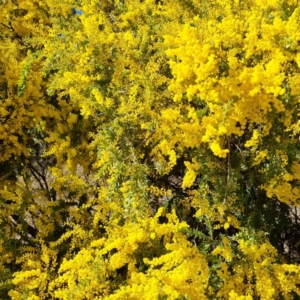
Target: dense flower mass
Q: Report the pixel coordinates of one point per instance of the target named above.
(149, 149)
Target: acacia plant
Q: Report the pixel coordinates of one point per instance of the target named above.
(149, 149)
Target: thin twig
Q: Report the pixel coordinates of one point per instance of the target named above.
(228, 172)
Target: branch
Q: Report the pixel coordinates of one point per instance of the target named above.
(31, 230)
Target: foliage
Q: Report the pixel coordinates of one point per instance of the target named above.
(149, 149)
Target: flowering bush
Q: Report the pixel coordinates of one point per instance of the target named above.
(149, 149)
